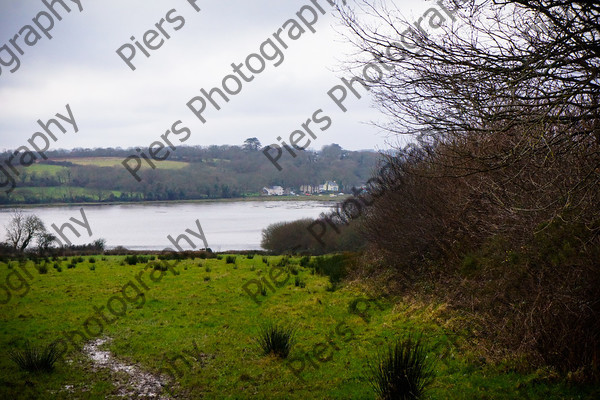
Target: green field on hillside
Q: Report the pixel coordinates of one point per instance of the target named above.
(59, 193)
(45, 168)
(118, 162)
(198, 314)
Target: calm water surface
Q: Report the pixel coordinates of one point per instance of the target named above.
(227, 226)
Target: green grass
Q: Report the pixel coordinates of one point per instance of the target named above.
(118, 162)
(213, 323)
(58, 193)
(45, 168)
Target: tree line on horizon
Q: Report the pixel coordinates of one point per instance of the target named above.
(212, 172)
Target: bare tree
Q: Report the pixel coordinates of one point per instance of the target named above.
(22, 229)
(527, 71)
(45, 241)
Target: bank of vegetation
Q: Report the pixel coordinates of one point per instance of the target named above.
(494, 209)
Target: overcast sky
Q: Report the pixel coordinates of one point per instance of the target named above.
(116, 107)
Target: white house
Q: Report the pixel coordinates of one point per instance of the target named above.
(309, 189)
(273, 191)
(329, 186)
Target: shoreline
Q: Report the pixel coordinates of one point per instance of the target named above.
(324, 198)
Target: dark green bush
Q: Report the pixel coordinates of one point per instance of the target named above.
(265, 260)
(304, 261)
(250, 256)
(42, 269)
(469, 265)
(92, 260)
(335, 267)
(230, 260)
(162, 266)
(131, 260)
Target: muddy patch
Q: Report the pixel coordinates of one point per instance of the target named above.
(131, 381)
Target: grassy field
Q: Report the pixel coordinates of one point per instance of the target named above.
(118, 162)
(199, 312)
(45, 168)
(58, 193)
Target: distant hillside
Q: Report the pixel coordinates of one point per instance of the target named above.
(190, 173)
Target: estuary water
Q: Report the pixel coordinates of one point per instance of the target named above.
(234, 225)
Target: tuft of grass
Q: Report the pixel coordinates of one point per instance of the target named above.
(304, 261)
(206, 278)
(265, 260)
(219, 257)
(250, 256)
(43, 269)
(276, 339)
(207, 269)
(230, 260)
(36, 359)
(403, 372)
(92, 260)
